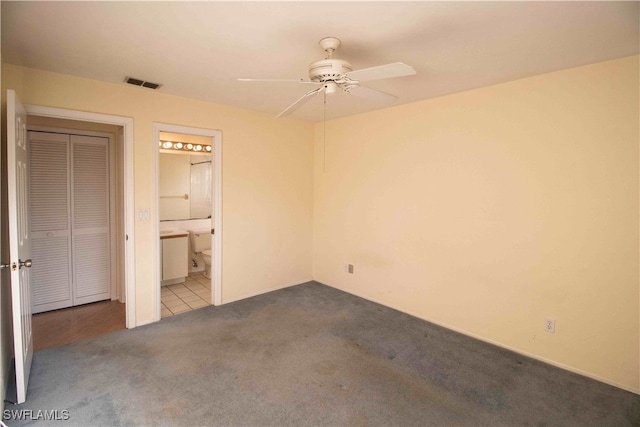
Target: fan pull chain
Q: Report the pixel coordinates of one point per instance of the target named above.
(324, 133)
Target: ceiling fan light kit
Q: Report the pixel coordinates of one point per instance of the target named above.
(334, 74)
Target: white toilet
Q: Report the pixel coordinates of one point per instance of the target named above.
(201, 244)
(206, 257)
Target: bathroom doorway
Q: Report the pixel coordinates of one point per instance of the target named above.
(188, 200)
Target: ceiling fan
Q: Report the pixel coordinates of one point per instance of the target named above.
(332, 74)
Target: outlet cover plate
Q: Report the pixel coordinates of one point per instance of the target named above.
(550, 325)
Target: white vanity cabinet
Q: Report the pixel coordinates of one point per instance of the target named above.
(175, 257)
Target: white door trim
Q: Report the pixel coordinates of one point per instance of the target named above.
(127, 124)
(216, 278)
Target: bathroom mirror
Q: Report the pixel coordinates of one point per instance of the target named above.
(185, 177)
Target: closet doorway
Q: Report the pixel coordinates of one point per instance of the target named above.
(70, 218)
(75, 217)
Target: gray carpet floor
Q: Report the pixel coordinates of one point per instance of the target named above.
(310, 355)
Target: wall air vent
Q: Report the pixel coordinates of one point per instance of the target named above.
(138, 82)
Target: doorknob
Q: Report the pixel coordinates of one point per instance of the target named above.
(26, 263)
(3, 266)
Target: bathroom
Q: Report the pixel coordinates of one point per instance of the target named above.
(185, 204)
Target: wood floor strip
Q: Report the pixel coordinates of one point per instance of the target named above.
(68, 325)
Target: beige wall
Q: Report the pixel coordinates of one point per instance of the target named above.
(267, 178)
(489, 210)
(484, 211)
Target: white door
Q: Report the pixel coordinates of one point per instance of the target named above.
(19, 243)
(90, 219)
(69, 215)
(49, 223)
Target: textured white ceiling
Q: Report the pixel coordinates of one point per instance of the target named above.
(199, 49)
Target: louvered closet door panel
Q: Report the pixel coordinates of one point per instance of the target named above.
(90, 218)
(92, 267)
(49, 221)
(51, 272)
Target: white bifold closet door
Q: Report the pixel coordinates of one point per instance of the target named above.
(69, 220)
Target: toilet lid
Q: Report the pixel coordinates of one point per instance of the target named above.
(207, 252)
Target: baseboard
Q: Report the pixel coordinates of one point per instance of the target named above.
(147, 322)
(264, 291)
(496, 343)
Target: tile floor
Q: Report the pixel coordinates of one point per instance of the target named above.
(194, 293)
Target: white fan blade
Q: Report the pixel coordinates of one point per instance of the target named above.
(300, 102)
(387, 71)
(372, 94)
(278, 80)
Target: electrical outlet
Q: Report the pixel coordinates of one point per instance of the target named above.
(350, 268)
(550, 325)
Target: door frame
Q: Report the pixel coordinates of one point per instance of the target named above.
(128, 206)
(216, 277)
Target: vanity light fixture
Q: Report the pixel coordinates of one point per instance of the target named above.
(183, 146)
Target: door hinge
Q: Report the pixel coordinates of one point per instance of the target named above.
(213, 231)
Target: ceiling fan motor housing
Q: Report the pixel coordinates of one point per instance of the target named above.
(328, 69)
